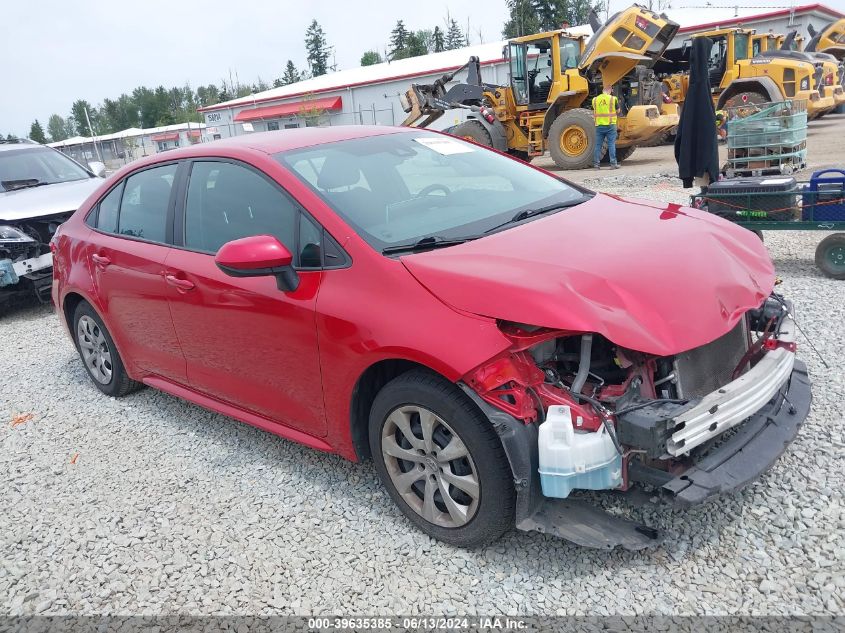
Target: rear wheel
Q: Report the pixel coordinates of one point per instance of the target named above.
(572, 139)
(749, 98)
(99, 354)
(473, 131)
(441, 461)
(830, 256)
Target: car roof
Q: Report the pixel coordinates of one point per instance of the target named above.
(283, 140)
(18, 144)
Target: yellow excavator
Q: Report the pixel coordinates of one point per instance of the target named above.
(737, 78)
(553, 77)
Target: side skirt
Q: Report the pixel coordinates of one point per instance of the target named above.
(241, 415)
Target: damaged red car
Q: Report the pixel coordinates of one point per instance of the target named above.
(494, 338)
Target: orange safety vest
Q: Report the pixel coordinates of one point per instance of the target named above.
(604, 104)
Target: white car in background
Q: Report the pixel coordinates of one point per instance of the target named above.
(39, 189)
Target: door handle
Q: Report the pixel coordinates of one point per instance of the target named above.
(182, 285)
(100, 260)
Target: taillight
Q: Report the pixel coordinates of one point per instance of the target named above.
(828, 79)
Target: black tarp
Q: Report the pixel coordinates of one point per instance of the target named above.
(696, 147)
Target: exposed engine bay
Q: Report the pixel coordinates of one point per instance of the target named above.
(661, 415)
(25, 259)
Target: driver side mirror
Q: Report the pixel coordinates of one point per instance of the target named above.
(97, 168)
(258, 256)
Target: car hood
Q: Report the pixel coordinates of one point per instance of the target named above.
(654, 277)
(47, 200)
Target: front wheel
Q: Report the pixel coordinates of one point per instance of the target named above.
(572, 139)
(473, 131)
(441, 461)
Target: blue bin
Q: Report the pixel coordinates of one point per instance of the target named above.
(818, 197)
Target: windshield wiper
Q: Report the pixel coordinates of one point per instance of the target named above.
(427, 243)
(23, 183)
(524, 214)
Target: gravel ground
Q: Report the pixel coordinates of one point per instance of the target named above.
(151, 505)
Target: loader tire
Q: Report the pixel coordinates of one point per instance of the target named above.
(472, 131)
(572, 139)
(657, 139)
(745, 98)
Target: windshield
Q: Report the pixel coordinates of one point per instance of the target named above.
(37, 165)
(740, 46)
(398, 188)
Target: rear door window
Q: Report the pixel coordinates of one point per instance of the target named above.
(109, 208)
(145, 202)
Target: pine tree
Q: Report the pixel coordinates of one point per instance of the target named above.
(438, 42)
(317, 49)
(370, 57)
(290, 76)
(418, 43)
(36, 132)
(454, 36)
(399, 41)
(523, 19)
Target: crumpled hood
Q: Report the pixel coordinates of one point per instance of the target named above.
(654, 277)
(36, 202)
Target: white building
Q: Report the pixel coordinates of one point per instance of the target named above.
(119, 148)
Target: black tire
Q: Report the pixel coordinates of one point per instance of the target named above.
(658, 139)
(119, 383)
(520, 154)
(576, 130)
(830, 256)
(745, 98)
(473, 131)
(493, 512)
(622, 154)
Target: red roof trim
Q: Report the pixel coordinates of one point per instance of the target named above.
(289, 108)
(760, 16)
(167, 136)
(436, 71)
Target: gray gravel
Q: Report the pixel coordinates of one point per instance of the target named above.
(151, 505)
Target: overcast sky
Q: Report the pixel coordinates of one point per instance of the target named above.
(55, 51)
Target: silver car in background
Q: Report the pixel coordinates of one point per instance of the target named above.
(39, 189)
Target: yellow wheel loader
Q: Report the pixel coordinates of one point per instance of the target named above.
(737, 78)
(830, 72)
(553, 77)
(831, 39)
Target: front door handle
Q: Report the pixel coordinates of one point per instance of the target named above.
(182, 285)
(100, 260)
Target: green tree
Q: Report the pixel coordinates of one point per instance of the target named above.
(523, 19)
(57, 128)
(370, 57)
(438, 41)
(399, 41)
(70, 127)
(454, 36)
(83, 113)
(290, 76)
(317, 49)
(418, 43)
(36, 132)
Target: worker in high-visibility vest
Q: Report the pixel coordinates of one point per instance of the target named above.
(605, 110)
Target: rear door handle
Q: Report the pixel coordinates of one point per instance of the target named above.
(182, 285)
(100, 260)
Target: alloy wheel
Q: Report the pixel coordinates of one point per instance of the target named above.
(94, 349)
(430, 466)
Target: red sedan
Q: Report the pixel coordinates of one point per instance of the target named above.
(492, 336)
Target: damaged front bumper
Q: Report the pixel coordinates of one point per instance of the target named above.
(744, 456)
